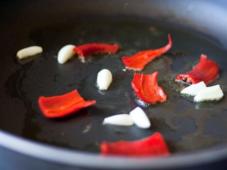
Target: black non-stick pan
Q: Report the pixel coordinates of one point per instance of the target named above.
(195, 133)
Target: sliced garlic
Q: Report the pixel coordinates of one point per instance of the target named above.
(140, 118)
(193, 89)
(65, 53)
(29, 51)
(120, 120)
(104, 79)
(213, 93)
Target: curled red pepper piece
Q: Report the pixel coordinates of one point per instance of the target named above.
(147, 89)
(138, 61)
(152, 146)
(63, 105)
(94, 48)
(206, 70)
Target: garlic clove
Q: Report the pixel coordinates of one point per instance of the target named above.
(140, 118)
(193, 89)
(65, 53)
(29, 51)
(212, 93)
(104, 79)
(120, 120)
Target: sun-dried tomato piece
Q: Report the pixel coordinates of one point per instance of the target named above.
(147, 89)
(63, 105)
(95, 48)
(206, 70)
(151, 146)
(138, 61)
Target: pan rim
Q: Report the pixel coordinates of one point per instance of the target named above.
(38, 150)
(69, 157)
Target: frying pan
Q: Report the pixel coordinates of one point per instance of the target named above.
(195, 133)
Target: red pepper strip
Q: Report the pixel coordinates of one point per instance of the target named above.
(63, 105)
(94, 48)
(138, 61)
(206, 70)
(153, 145)
(147, 89)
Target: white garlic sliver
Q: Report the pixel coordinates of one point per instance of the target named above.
(193, 89)
(213, 93)
(140, 118)
(104, 79)
(65, 53)
(29, 51)
(120, 120)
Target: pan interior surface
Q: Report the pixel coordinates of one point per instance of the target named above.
(186, 126)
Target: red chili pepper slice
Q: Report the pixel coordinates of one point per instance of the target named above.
(152, 146)
(206, 70)
(63, 105)
(138, 61)
(94, 48)
(147, 89)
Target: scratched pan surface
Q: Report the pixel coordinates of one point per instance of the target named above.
(186, 126)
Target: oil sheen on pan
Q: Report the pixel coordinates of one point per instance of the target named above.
(185, 125)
